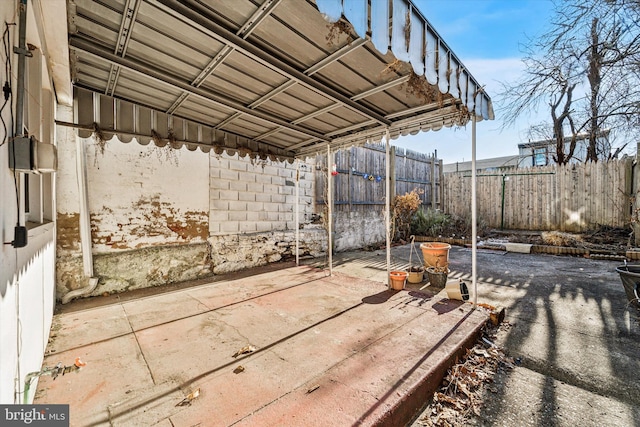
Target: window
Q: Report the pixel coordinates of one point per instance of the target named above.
(37, 188)
(540, 157)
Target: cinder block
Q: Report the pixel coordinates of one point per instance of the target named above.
(263, 197)
(253, 215)
(263, 179)
(278, 180)
(219, 163)
(237, 215)
(247, 196)
(278, 198)
(229, 174)
(247, 227)
(238, 185)
(286, 173)
(229, 227)
(220, 205)
(256, 187)
(228, 195)
(238, 165)
(237, 206)
(271, 189)
(220, 184)
(270, 170)
(263, 226)
(271, 207)
(214, 227)
(287, 191)
(247, 177)
(214, 172)
(218, 216)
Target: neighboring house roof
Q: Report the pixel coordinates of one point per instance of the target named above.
(275, 79)
(483, 164)
(567, 139)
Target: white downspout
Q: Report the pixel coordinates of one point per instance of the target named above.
(474, 215)
(387, 204)
(329, 209)
(84, 225)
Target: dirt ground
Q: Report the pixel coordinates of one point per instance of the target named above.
(609, 239)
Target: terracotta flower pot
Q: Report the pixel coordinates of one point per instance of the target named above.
(435, 254)
(398, 279)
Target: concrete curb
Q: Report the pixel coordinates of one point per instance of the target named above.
(410, 405)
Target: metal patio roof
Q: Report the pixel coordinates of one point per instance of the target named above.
(270, 78)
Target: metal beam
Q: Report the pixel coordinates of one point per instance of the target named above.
(165, 77)
(252, 23)
(343, 51)
(380, 88)
(129, 16)
(362, 95)
(196, 16)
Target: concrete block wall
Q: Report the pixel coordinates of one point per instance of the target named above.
(255, 196)
(253, 204)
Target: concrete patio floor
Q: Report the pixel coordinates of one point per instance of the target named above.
(334, 350)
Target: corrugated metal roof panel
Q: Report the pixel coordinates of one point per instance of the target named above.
(270, 70)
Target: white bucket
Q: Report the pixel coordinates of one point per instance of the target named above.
(457, 289)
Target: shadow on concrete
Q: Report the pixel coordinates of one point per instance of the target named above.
(571, 324)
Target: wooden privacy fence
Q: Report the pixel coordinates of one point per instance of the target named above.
(360, 179)
(574, 197)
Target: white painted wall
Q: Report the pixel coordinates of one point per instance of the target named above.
(27, 275)
(141, 196)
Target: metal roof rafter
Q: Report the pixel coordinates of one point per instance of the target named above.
(248, 27)
(124, 35)
(165, 77)
(196, 16)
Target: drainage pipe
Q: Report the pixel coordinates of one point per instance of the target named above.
(84, 225)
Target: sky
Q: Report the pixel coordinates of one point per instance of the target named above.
(487, 36)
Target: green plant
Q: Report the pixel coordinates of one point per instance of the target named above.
(429, 222)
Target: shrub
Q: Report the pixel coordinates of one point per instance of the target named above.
(429, 222)
(404, 208)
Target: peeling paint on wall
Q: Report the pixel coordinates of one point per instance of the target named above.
(136, 269)
(148, 221)
(68, 232)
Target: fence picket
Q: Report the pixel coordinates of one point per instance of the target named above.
(573, 197)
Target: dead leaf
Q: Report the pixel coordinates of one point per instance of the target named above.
(244, 350)
(238, 369)
(187, 400)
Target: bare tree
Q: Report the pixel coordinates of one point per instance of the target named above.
(586, 69)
